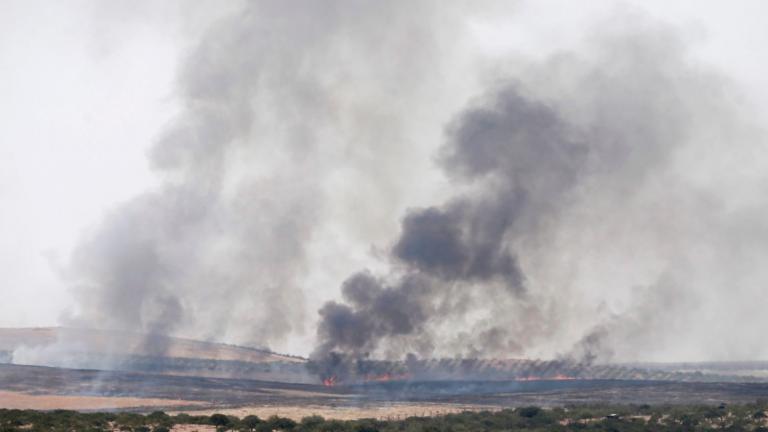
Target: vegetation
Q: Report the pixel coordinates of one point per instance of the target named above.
(747, 417)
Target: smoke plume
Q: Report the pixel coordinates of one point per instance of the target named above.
(553, 163)
(525, 159)
(591, 204)
(284, 107)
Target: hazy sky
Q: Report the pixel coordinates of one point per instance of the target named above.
(87, 88)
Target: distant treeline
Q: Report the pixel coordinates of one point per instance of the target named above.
(745, 417)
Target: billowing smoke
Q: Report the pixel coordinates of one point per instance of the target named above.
(575, 206)
(577, 151)
(281, 103)
(525, 159)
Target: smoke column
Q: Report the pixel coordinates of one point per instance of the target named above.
(602, 203)
(285, 107)
(577, 153)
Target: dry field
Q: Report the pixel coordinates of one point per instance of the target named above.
(18, 400)
(193, 428)
(385, 411)
(202, 378)
(48, 388)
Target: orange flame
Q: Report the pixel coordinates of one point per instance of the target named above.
(330, 381)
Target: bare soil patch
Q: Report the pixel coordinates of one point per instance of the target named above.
(394, 411)
(18, 400)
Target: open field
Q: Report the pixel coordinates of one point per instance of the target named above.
(199, 378)
(19, 400)
(44, 387)
(383, 411)
(196, 390)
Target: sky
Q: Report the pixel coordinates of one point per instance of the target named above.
(90, 90)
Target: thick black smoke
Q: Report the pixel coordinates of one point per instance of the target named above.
(565, 149)
(526, 158)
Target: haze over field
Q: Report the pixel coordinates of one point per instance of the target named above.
(390, 179)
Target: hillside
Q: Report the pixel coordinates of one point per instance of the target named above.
(135, 352)
(127, 343)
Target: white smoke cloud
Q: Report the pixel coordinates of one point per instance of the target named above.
(308, 132)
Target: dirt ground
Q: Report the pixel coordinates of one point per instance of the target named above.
(193, 428)
(392, 411)
(18, 400)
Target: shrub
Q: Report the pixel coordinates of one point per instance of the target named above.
(220, 420)
(281, 423)
(529, 412)
(250, 422)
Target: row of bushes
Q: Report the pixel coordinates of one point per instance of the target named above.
(747, 417)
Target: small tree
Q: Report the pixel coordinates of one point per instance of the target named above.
(251, 422)
(220, 421)
(281, 423)
(529, 412)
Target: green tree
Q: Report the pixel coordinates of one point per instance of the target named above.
(529, 412)
(220, 421)
(250, 423)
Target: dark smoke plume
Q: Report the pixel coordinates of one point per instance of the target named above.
(526, 156)
(575, 136)
(527, 159)
(570, 187)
